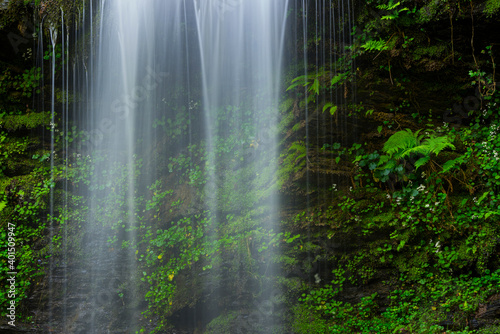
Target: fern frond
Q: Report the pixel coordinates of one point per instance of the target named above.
(452, 163)
(420, 149)
(422, 161)
(406, 143)
(401, 141)
(437, 144)
(372, 45)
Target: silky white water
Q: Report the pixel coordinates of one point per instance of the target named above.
(159, 80)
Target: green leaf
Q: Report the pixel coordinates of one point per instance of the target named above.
(337, 78)
(451, 163)
(293, 86)
(326, 106)
(388, 166)
(373, 45)
(422, 161)
(333, 110)
(483, 196)
(383, 159)
(301, 79)
(437, 144)
(315, 86)
(400, 141)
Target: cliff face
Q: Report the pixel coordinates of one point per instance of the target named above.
(388, 215)
(388, 179)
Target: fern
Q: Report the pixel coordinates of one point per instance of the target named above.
(311, 80)
(373, 45)
(406, 143)
(434, 145)
(391, 6)
(450, 164)
(402, 141)
(297, 150)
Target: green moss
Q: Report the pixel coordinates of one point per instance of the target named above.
(223, 324)
(492, 7)
(294, 160)
(433, 51)
(307, 322)
(26, 121)
(413, 266)
(286, 105)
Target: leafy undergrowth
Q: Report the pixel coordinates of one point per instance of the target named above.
(433, 305)
(423, 214)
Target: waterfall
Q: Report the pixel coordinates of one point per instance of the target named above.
(177, 113)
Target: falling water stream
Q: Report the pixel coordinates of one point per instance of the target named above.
(155, 78)
(169, 91)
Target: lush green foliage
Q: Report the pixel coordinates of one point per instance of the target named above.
(26, 181)
(421, 209)
(442, 225)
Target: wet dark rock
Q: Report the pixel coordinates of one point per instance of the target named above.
(7, 329)
(490, 312)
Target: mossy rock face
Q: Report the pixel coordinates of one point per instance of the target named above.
(27, 121)
(235, 322)
(223, 324)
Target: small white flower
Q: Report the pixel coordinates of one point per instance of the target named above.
(438, 247)
(317, 279)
